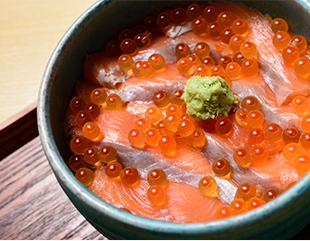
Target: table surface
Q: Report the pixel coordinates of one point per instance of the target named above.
(29, 32)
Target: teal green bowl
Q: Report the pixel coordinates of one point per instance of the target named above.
(281, 218)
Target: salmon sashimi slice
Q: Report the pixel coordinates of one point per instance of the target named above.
(278, 171)
(148, 159)
(115, 124)
(178, 207)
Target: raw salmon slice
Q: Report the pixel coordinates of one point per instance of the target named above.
(178, 207)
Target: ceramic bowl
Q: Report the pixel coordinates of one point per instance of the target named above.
(281, 218)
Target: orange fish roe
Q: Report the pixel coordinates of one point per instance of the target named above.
(156, 195)
(302, 163)
(107, 154)
(151, 136)
(199, 25)
(157, 177)
(305, 141)
(78, 144)
(76, 162)
(249, 68)
(77, 104)
(207, 186)
(161, 98)
(91, 131)
(246, 191)
(260, 155)
(113, 169)
(255, 202)
(175, 97)
(153, 114)
(248, 50)
(143, 124)
(279, 24)
(300, 105)
(221, 167)
(273, 132)
(129, 176)
(290, 151)
(242, 156)
(85, 176)
(271, 194)
(91, 155)
(167, 144)
(224, 212)
(238, 205)
(136, 137)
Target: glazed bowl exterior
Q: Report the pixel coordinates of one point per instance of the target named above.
(281, 218)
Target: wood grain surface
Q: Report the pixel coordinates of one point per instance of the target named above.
(29, 32)
(32, 203)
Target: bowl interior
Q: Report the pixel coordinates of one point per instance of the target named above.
(97, 26)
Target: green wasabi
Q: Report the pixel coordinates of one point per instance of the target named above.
(208, 97)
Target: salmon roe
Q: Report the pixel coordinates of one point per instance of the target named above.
(302, 67)
(76, 162)
(221, 167)
(300, 104)
(271, 194)
(91, 155)
(114, 101)
(242, 156)
(238, 205)
(246, 191)
(153, 114)
(98, 96)
(157, 177)
(78, 144)
(107, 154)
(279, 24)
(281, 40)
(290, 135)
(273, 132)
(202, 49)
(129, 176)
(207, 186)
(136, 137)
(199, 25)
(305, 141)
(77, 104)
(143, 124)
(193, 11)
(260, 155)
(255, 202)
(156, 195)
(223, 126)
(161, 98)
(197, 138)
(175, 97)
(151, 137)
(302, 163)
(290, 151)
(249, 68)
(255, 118)
(167, 144)
(224, 212)
(235, 42)
(85, 176)
(113, 169)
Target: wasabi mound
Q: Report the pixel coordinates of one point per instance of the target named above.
(208, 97)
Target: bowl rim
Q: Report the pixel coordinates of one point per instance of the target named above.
(64, 175)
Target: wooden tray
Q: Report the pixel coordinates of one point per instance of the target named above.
(32, 203)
